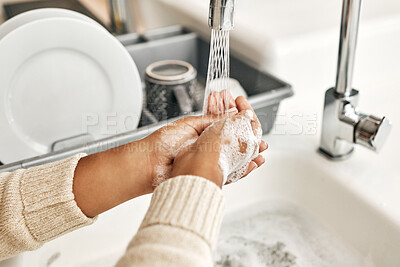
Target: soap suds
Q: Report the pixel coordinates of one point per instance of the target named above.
(275, 233)
(239, 146)
(163, 171)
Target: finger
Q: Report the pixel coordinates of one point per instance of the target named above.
(232, 103)
(232, 111)
(209, 104)
(243, 105)
(263, 146)
(260, 160)
(216, 103)
(229, 102)
(212, 104)
(255, 125)
(220, 104)
(256, 163)
(252, 167)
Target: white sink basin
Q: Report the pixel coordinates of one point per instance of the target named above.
(280, 234)
(294, 173)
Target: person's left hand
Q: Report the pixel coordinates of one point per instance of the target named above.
(163, 145)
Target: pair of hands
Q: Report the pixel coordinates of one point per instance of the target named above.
(181, 151)
(107, 179)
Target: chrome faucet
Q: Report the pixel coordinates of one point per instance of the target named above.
(221, 15)
(343, 124)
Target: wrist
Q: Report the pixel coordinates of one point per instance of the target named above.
(197, 164)
(137, 164)
(108, 179)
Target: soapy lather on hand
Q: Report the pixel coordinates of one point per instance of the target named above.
(241, 135)
(233, 141)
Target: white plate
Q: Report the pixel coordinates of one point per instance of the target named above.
(42, 13)
(59, 78)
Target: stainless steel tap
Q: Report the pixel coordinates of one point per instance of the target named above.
(221, 15)
(343, 124)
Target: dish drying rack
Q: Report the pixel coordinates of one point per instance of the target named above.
(265, 92)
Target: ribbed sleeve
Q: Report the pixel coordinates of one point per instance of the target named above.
(181, 226)
(49, 206)
(37, 205)
(188, 202)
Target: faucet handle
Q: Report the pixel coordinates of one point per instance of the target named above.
(372, 131)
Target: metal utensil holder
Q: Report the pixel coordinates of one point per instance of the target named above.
(265, 92)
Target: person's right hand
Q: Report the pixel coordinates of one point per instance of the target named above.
(202, 158)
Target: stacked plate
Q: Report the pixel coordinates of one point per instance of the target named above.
(62, 77)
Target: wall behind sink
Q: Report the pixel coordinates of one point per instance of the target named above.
(98, 7)
(148, 14)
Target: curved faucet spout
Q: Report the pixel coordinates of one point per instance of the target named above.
(343, 125)
(347, 46)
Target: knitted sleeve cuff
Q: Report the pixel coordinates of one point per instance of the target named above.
(49, 206)
(188, 202)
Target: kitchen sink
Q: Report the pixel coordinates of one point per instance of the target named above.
(281, 234)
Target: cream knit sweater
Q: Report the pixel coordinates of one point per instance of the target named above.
(179, 229)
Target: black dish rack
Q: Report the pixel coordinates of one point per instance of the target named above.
(265, 92)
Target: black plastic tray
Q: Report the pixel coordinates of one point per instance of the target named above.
(264, 90)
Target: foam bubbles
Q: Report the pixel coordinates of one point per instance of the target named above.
(239, 146)
(280, 234)
(161, 174)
